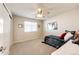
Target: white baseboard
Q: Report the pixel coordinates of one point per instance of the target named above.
(24, 41)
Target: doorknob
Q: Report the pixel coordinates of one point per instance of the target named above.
(2, 49)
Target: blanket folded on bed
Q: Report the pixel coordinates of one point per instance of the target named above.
(54, 41)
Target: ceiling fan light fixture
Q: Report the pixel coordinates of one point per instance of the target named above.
(39, 9)
(39, 15)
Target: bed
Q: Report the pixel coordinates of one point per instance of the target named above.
(67, 49)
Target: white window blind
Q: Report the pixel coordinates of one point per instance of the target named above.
(30, 26)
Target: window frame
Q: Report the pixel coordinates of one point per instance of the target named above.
(31, 24)
(1, 25)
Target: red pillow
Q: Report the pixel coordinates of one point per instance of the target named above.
(62, 35)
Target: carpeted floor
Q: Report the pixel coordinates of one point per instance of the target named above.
(32, 47)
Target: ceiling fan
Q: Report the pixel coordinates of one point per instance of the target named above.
(41, 11)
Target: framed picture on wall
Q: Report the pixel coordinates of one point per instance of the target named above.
(52, 26)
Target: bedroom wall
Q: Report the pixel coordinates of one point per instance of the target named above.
(66, 21)
(20, 35)
(6, 34)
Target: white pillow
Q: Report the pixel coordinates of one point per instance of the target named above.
(67, 36)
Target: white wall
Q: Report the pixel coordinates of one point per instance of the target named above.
(66, 21)
(7, 30)
(20, 35)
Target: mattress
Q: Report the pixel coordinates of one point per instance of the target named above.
(67, 49)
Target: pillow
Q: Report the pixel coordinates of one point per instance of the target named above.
(62, 35)
(67, 36)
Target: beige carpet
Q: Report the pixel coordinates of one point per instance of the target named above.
(32, 47)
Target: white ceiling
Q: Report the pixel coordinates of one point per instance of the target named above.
(51, 9)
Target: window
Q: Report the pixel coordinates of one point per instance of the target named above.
(1, 25)
(52, 26)
(30, 26)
